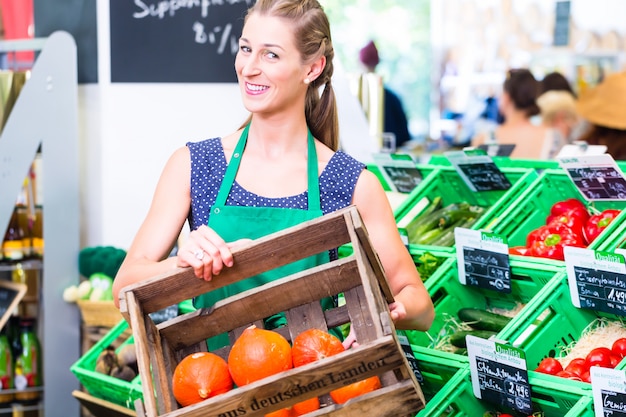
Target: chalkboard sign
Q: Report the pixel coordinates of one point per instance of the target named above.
(483, 259)
(599, 183)
(494, 149)
(597, 279)
(561, 23)
(499, 374)
(608, 388)
(404, 179)
(160, 41)
(10, 295)
(485, 176)
(410, 357)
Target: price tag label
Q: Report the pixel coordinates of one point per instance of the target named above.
(410, 357)
(499, 374)
(608, 387)
(597, 280)
(478, 170)
(483, 259)
(597, 177)
(399, 170)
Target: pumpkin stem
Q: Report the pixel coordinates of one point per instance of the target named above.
(203, 393)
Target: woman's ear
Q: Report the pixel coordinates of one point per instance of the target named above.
(316, 68)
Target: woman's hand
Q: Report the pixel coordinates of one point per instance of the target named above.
(206, 252)
(398, 311)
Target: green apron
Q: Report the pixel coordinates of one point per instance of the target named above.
(238, 222)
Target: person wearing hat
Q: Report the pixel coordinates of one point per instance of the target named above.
(604, 108)
(394, 117)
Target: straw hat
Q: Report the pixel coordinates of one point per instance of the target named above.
(555, 101)
(605, 105)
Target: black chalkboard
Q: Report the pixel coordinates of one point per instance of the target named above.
(78, 18)
(599, 183)
(10, 295)
(410, 357)
(601, 290)
(613, 403)
(562, 23)
(485, 176)
(160, 41)
(486, 269)
(504, 385)
(404, 179)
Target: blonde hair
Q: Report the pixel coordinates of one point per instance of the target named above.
(553, 102)
(312, 38)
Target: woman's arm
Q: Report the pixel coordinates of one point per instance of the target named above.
(401, 272)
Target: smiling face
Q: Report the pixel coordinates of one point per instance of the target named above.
(269, 66)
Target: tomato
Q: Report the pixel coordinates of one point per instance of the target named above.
(586, 376)
(568, 375)
(549, 366)
(615, 360)
(577, 361)
(619, 347)
(600, 356)
(575, 368)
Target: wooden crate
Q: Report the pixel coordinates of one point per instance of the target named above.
(359, 277)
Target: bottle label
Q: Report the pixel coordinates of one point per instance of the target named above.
(13, 250)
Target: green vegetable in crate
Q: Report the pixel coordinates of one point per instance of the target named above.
(427, 264)
(457, 338)
(429, 228)
(483, 319)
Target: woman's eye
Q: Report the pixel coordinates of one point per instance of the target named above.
(271, 55)
(244, 48)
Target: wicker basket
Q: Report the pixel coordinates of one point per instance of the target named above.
(99, 313)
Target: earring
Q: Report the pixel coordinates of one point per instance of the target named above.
(307, 81)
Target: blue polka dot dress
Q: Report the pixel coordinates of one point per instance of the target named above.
(208, 166)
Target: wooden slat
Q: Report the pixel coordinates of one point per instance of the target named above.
(305, 317)
(261, 302)
(277, 249)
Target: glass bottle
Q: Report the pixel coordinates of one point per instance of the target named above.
(28, 364)
(6, 369)
(13, 243)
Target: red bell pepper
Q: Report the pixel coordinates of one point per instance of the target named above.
(574, 218)
(562, 206)
(598, 222)
(548, 241)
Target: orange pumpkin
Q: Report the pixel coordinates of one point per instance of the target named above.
(305, 407)
(314, 344)
(258, 353)
(200, 376)
(283, 412)
(343, 394)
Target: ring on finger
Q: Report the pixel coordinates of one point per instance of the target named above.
(199, 254)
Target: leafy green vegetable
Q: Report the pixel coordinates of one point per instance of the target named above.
(427, 264)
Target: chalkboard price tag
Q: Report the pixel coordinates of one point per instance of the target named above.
(483, 259)
(499, 374)
(478, 170)
(11, 294)
(597, 280)
(597, 177)
(410, 357)
(400, 171)
(608, 387)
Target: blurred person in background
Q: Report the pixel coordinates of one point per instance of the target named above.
(394, 116)
(557, 103)
(518, 105)
(604, 108)
(555, 81)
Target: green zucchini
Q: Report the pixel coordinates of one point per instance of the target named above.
(483, 319)
(457, 338)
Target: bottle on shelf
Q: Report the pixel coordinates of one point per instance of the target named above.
(28, 364)
(6, 369)
(13, 243)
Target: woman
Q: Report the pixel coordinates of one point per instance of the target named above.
(604, 108)
(271, 163)
(518, 105)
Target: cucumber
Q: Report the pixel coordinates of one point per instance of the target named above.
(483, 319)
(457, 338)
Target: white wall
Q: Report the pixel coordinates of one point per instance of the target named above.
(128, 131)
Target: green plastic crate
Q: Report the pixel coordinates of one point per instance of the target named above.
(446, 183)
(531, 208)
(555, 324)
(617, 238)
(102, 386)
(449, 295)
(437, 369)
(458, 400)
(504, 162)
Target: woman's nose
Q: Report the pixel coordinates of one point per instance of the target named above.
(250, 65)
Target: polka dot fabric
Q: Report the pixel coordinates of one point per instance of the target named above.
(208, 166)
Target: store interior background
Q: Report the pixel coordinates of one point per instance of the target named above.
(442, 57)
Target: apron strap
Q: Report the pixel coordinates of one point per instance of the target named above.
(235, 160)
